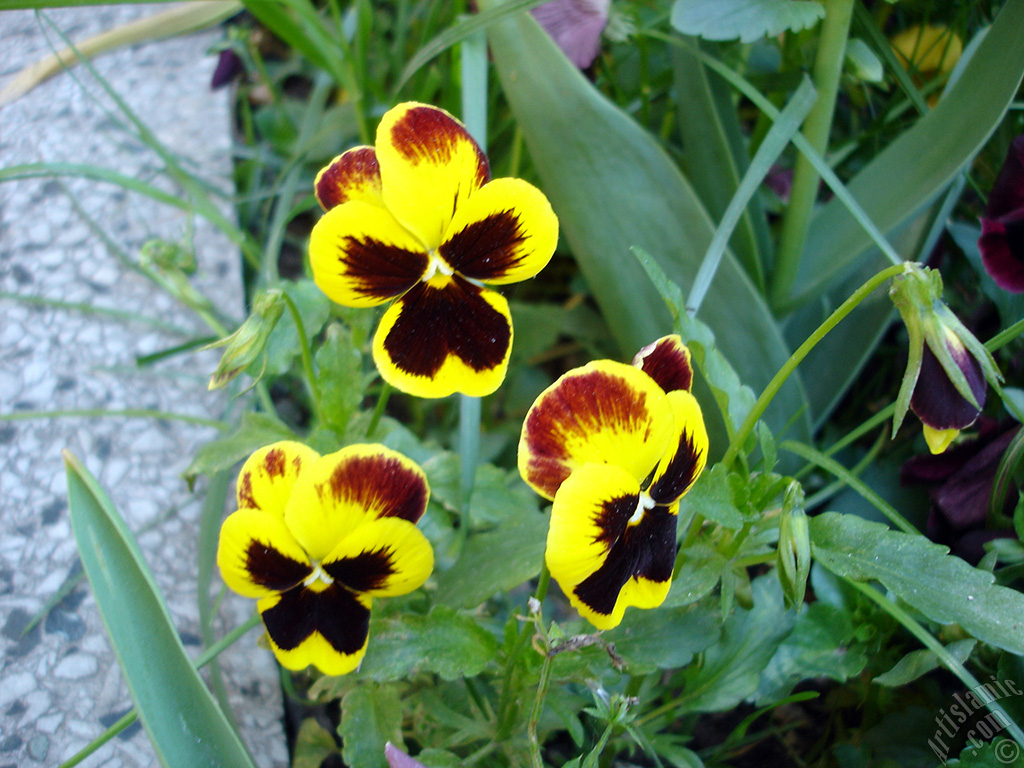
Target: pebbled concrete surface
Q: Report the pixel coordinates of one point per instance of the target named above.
(60, 685)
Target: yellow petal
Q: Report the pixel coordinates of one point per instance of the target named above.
(352, 175)
(681, 466)
(504, 233)
(346, 489)
(429, 166)
(361, 256)
(938, 439)
(445, 336)
(268, 475)
(258, 556)
(382, 558)
(605, 412)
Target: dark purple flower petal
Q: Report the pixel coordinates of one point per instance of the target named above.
(1002, 225)
(229, 66)
(576, 26)
(936, 401)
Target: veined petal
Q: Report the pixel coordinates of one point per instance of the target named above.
(667, 361)
(258, 556)
(936, 400)
(505, 232)
(269, 474)
(605, 412)
(607, 550)
(382, 558)
(352, 175)
(429, 166)
(361, 256)
(325, 628)
(444, 336)
(347, 489)
(680, 468)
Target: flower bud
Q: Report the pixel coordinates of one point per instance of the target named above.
(793, 559)
(947, 367)
(247, 343)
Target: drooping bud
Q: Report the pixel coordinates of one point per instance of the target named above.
(245, 345)
(793, 558)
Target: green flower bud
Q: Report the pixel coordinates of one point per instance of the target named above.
(793, 559)
(246, 344)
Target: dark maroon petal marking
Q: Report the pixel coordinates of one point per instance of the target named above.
(1007, 193)
(436, 323)
(383, 271)
(1002, 250)
(680, 473)
(667, 362)
(245, 498)
(646, 550)
(428, 133)
(273, 570)
(487, 248)
(365, 571)
(381, 483)
(335, 613)
(356, 168)
(936, 401)
(275, 463)
(579, 406)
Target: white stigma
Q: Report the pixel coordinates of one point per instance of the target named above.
(437, 264)
(318, 574)
(643, 504)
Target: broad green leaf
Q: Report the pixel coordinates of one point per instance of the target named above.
(340, 377)
(495, 561)
(914, 168)
(712, 498)
(665, 638)
(732, 667)
(614, 187)
(921, 662)
(313, 745)
(184, 723)
(748, 20)
(700, 569)
(942, 587)
(255, 431)
(448, 643)
(371, 716)
(820, 645)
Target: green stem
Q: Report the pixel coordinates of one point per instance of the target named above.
(307, 356)
(205, 658)
(538, 708)
(938, 649)
(828, 66)
(378, 411)
(736, 445)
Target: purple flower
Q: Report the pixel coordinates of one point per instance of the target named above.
(1002, 227)
(960, 482)
(398, 759)
(576, 26)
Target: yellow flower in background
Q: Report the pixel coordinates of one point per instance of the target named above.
(316, 538)
(927, 51)
(417, 220)
(615, 447)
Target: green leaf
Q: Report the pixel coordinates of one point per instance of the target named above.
(255, 431)
(665, 638)
(732, 667)
(313, 745)
(820, 645)
(700, 569)
(748, 20)
(495, 561)
(445, 642)
(339, 376)
(283, 345)
(908, 173)
(942, 587)
(184, 723)
(712, 498)
(921, 662)
(614, 187)
(371, 716)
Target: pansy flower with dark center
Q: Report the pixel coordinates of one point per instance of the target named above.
(417, 220)
(615, 447)
(315, 538)
(1002, 227)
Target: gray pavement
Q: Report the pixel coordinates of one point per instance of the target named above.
(60, 684)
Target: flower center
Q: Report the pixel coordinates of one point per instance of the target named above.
(643, 504)
(318, 574)
(437, 264)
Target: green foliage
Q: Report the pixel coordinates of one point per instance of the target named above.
(748, 20)
(371, 716)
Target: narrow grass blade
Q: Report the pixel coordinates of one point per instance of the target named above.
(184, 723)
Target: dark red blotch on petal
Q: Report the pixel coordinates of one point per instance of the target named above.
(428, 133)
(487, 248)
(935, 400)
(436, 323)
(667, 362)
(381, 483)
(363, 572)
(273, 570)
(335, 613)
(680, 474)
(382, 271)
(355, 168)
(645, 550)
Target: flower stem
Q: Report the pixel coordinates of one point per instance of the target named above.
(828, 66)
(130, 717)
(378, 411)
(736, 445)
(307, 356)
